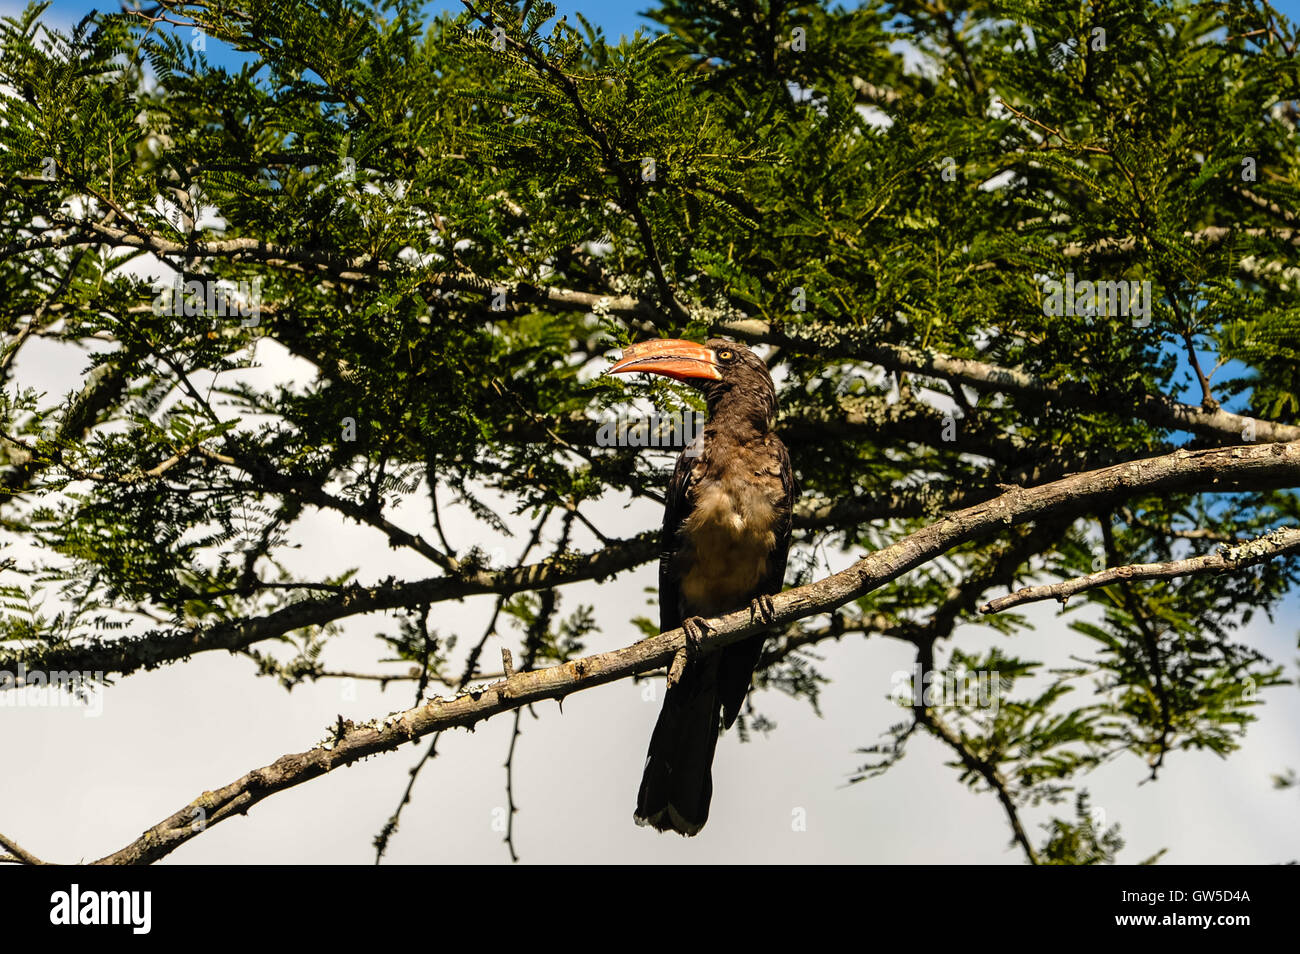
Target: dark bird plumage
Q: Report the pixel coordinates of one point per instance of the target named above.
(724, 544)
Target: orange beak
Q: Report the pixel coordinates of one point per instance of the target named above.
(672, 357)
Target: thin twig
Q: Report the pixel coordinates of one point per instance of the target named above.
(1228, 558)
(988, 771)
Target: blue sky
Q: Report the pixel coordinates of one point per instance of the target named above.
(613, 16)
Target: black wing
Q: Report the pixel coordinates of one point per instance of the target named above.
(677, 507)
(774, 579)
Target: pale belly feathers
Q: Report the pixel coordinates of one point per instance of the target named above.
(728, 539)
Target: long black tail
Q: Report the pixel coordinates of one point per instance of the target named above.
(677, 784)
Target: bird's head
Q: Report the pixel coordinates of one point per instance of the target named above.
(728, 374)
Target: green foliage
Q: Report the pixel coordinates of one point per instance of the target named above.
(452, 222)
(1085, 841)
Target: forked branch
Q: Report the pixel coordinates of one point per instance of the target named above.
(1221, 469)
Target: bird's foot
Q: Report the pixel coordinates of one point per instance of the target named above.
(760, 607)
(695, 629)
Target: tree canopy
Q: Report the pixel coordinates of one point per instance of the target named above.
(1025, 274)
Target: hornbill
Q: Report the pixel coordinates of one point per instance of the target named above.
(725, 539)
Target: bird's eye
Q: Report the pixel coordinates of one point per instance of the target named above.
(726, 355)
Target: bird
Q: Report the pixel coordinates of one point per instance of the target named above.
(723, 546)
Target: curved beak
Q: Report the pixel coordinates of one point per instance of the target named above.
(672, 357)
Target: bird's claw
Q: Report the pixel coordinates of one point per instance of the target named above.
(696, 629)
(761, 607)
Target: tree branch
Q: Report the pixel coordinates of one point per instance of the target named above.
(986, 770)
(16, 854)
(125, 656)
(1221, 468)
(628, 198)
(1155, 409)
(1246, 553)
